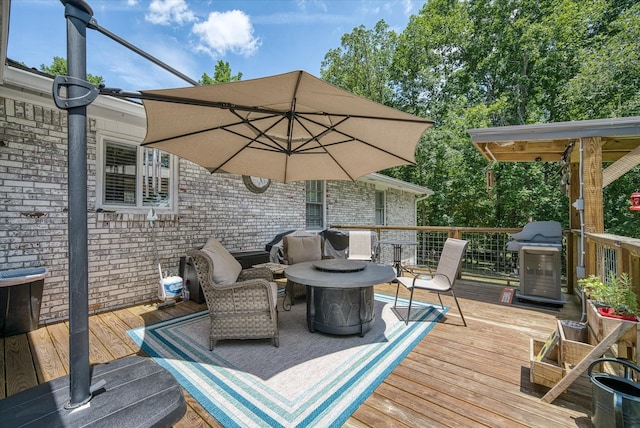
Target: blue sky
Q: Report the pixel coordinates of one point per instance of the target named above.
(256, 37)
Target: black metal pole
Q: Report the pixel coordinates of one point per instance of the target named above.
(78, 14)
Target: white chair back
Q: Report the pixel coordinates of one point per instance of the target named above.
(359, 245)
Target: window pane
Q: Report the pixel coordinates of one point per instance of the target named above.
(155, 178)
(379, 208)
(136, 176)
(314, 216)
(120, 174)
(314, 191)
(315, 207)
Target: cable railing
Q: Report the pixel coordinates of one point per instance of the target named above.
(486, 257)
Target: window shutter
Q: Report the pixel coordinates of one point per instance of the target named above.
(120, 174)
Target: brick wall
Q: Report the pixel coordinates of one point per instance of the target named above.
(354, 204)
(122, 261)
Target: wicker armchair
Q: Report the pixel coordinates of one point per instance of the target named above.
(245, 309)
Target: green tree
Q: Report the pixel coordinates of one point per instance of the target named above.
(221, 74)
(477, 63)
(608, 76)
(59, 68)
(363, 64)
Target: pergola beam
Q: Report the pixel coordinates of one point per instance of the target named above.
(622, 165)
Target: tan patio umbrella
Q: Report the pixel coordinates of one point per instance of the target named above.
(286, 127)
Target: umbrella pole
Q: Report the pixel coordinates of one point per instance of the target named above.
(80, 93)
(78, 14)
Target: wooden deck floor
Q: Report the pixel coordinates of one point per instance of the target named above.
(456, 377)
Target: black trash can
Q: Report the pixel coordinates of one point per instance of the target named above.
(20, 299)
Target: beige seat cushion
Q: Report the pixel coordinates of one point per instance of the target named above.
(225, 267)
(298, 249)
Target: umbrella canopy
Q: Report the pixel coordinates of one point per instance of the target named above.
(286, 127)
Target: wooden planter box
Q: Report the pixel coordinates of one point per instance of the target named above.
(547, 371)
(571, 352)
(561, 357)
(600, 327)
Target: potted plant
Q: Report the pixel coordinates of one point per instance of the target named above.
(614, 298)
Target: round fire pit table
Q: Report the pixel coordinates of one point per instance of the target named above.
(340, 293)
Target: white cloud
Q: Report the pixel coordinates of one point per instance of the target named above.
(226, 31)
(319, 4)
(165, 12)
(408, 7)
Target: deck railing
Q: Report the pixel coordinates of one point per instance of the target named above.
(605, 255)
(487, 256)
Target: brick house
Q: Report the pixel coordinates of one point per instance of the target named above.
(125, 181)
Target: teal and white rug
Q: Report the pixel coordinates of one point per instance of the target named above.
(311, 379)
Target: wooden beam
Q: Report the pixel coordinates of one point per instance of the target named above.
(592, 189)
(622, 165)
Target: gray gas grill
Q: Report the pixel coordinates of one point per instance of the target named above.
(539, 247)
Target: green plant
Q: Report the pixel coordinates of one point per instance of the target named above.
(617, 293)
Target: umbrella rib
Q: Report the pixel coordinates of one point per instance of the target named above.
(248, 144)
(202, 103)
(291, 115)
(226, 127)
(317, 136)
(360, 116)
(349, 139)
(324, 147)
(228, 106)
(277, 148)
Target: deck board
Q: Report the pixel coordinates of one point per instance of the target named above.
(119, 329)
(128, 317)
(20, 372)
(409, 407)
(112, 342)
(98, 352)
(455, 377)
(59, 334)
(46, 359)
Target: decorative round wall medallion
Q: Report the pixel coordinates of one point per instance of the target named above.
(256, 184)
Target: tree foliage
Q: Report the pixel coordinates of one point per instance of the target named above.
(476, 63)
(59, 68)
(367, 54)
(221, 74)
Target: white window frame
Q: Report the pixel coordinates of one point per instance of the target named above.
(139, 207)
(324, 206)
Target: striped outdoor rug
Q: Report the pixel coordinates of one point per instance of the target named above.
(311, 379)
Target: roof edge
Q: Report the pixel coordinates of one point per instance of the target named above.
(557, 130)
(394, 183)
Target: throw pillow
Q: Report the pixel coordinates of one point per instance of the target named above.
(225, 267)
